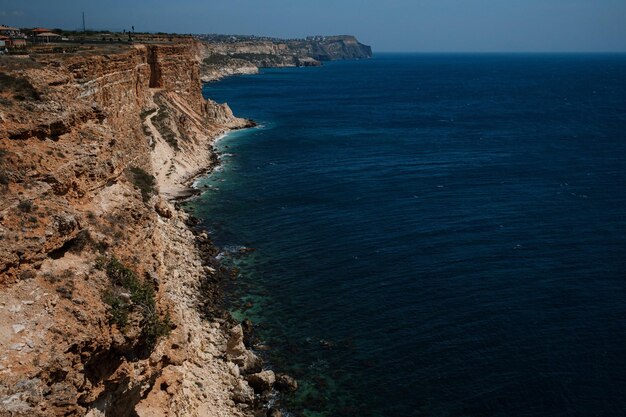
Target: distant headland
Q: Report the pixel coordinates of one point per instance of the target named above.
(236, 54)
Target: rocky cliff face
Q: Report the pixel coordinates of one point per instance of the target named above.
(230, 55)
(104, 293)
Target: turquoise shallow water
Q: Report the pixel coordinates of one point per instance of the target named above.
(435, 235)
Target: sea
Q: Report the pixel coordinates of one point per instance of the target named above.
(438, 235)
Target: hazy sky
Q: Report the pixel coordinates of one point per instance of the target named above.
(387, 25)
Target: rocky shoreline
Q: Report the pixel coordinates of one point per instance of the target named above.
(223, 345)
(256, 386)
(109, 293)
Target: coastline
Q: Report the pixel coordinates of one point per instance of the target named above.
(121, 156)
(252, 385)
(187, 188)
(110, 291)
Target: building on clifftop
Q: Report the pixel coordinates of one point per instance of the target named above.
(14, 35)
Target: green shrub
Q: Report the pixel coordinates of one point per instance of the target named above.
(142, 299)
(25, 206)
(119, 309)
(154, 327)
(160, 121)
(144, 181)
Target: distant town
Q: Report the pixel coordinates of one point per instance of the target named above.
(15, 38)
(18, 41)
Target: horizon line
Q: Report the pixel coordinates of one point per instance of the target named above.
(374, 52)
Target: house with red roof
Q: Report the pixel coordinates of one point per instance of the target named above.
(14, 35)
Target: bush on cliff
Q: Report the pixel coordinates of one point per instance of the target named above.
(144, 181)
(129, 294)
(161, 122)
(25, 206)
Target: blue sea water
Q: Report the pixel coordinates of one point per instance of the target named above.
(436, 235)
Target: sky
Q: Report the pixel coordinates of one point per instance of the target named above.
(387, 25)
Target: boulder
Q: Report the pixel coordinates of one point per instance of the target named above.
(251, 363)
(235, 347)
(262, 381)
(163, 209)
(286, 383)
(65, 223)
(242, 393)
(237, 353)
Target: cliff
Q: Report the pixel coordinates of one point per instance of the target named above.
(107, 302)
(229, 55)
(330, 48)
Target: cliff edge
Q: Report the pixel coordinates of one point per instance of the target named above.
(107, 293)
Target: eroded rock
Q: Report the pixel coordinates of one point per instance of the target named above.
(65, 223)
(262, 381)
(286, 383)
(163, 210)
(235, 347)
(243, 393)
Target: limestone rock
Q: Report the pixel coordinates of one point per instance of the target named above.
(262, 381)
(235, 348)
(163, 210)
(243, 393)
(65, 223)
(17, 328)
(236, 352)
(251, 363)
